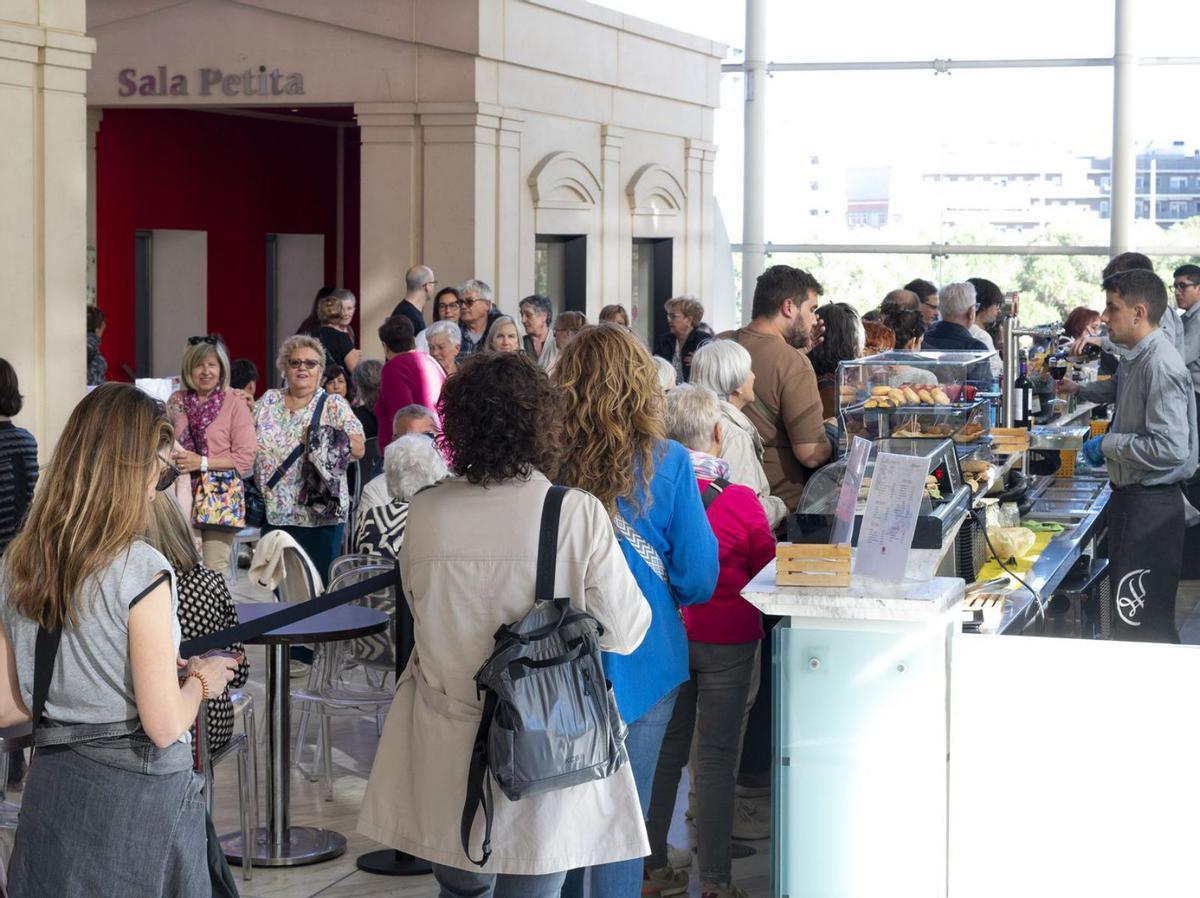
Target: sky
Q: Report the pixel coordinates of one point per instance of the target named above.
(923, 119)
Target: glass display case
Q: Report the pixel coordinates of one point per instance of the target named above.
(946, 498)
(921, 395)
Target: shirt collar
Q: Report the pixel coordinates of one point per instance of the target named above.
(1143, 344)
(1190, 312)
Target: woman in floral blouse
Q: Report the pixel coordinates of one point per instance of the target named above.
(283, 418)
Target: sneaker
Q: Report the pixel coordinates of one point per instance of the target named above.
(678, 858)
(716, 890)
(747, 825)
(664, 882)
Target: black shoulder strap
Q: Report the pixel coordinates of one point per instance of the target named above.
(294, 455)
(712, 491)
(547, 558)
(45, 650)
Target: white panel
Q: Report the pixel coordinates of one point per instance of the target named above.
(178, 296)
(1073, 768)
(300, 273)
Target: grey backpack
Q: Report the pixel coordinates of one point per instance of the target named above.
(550, 719)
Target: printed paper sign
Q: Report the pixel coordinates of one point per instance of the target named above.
(856, 469)
(893, 504)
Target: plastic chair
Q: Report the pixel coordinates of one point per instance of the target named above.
(331, 691)
(243, 745)
(11, 739)
(361, 470)
(245, 535)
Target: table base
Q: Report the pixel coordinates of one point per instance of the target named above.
(304, 845)
(392, 863)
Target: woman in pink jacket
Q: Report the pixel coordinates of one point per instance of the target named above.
(723, 639)
(214, 430)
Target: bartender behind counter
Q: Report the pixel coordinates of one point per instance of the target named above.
(1150, 450)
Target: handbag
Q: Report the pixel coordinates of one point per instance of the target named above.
(218, 499)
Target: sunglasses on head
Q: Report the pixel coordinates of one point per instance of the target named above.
(210, 339)
(167, 478)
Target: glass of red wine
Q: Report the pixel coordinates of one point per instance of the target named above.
(1058, 367)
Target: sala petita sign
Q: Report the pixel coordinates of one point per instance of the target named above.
(249, 83)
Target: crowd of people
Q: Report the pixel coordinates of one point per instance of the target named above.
(683, 465)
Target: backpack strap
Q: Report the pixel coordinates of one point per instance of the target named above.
(479, 786)
(294, 455)
(45, 650)
(547, 557)
(712, 491)
(479, 783)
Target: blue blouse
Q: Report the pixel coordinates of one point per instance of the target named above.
(676, 525)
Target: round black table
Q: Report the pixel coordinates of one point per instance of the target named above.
(278, 844)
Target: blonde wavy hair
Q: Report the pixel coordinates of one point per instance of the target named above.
(614, 415)
(194, 354)
(169, 532)
(90, 503)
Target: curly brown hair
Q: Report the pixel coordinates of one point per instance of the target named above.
(614, 415)
(501, 418)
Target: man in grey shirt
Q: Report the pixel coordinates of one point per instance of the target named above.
(1150, 451)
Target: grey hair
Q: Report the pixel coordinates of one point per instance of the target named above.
(721, 366)
(366, 381)
(417, 277)
(666, 372)
(414, 410)
(443, 328)
(692, 415)
(495, 329)
(477, 286)
(343, 294)
(541, 303)
(412, 463)
(955, 300)
(299, 341)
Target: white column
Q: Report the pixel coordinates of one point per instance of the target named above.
(755, 141)
(1124, 156)
(701, 210)
(389, 211)
(616, 227)
(44, 228)
(508, 209)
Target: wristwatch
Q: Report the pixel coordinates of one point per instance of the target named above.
(203, 464)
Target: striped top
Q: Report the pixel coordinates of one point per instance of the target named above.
(18, 476)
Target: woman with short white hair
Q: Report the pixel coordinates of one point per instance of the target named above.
(410, 464)
(723, 366)
(443, 339)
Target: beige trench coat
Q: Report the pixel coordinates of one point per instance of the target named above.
(468, 563)
(742, 447)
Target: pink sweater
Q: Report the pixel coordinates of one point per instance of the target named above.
(408, 378)
(745, 545)
(231, 432)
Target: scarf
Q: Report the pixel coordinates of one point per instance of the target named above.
(200, 414)
(708, 467)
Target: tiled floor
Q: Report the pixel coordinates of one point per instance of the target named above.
(355, 741)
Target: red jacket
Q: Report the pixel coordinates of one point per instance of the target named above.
(745, 544)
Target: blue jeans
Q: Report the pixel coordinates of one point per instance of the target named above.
(623, 879)
(455, 883)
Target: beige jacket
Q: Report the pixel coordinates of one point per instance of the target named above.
(742, 447)
(468, 563)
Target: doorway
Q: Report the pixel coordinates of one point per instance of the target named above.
(170, 297)
(653, 283)
(295, 272)
(560, 270)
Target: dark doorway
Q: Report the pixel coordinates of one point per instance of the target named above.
(560, 270)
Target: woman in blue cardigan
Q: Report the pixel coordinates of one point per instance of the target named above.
(614, 446)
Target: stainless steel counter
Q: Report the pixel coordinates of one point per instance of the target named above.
(1079, 503)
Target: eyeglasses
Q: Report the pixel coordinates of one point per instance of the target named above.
(447, 306)
(467, 303)
(932, 305)
(1180, 286)
(306, 364)
(168, 477)
(211, 340)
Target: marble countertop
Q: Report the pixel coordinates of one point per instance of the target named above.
(866, 598)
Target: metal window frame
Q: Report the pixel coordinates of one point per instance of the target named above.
(959, 249)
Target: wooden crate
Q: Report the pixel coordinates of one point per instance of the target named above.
(808, 564)
(1007, 440)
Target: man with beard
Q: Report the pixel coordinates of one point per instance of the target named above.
(786, 409)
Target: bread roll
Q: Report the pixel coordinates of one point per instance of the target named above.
(940, 398)
(880, 391)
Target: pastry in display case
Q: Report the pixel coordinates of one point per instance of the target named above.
(916, 395)
(947, 496)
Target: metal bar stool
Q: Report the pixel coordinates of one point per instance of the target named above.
(241, 743)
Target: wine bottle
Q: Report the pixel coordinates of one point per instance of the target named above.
(1022, 395)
